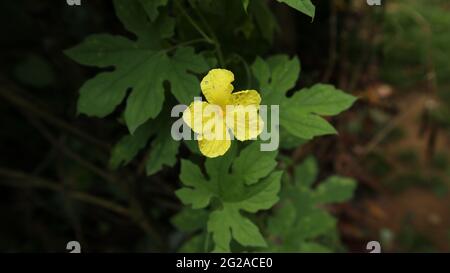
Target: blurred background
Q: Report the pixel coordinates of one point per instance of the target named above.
(56, 186)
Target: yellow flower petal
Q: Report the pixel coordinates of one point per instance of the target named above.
(193, 115)
(214, 148)
(245, 121)
(215, 143)
(217, 87)
(202, 116)
(246, 97)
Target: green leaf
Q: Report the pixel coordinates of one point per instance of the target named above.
(308, 247)
(134, 18)
(304, 6)
(281, 222)
(229, 222)
(264, 195)
(245, 4)
(314, 224)
(151, 7)
(306, 173)
(128, 146)
(335, 189)
(261, 71)
(163, 151)
(298, 114)
(229, 188)
(321, 99)
(192, 145)
(290, 141)
(190, 220)
(147, 97)
(199, 190)
(284, 72)
(142, 66)
(275, 77)
(305, 126)
(299, 222)
(252, 165)
(193, 245)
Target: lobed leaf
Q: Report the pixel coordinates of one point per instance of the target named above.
(229, 184)
(299, 115)
(142, 66)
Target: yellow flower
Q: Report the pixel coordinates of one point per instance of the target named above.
(224, 110)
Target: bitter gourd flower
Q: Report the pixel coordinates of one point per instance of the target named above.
(223, 111)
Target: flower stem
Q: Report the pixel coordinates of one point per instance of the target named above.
(213, 36)
(193, 23)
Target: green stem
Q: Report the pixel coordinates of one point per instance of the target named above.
(206, 246)
(193, 23)
(214, 39)
(247, 69)
(220, 55)
(195, 41)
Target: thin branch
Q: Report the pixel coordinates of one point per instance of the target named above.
(193, 23)
(28, 180)
(382, 134)
(139, 215)
(67, 152)
(11, 97)
(213, 35)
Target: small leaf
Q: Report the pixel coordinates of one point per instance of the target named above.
(253, 165)
(151, 7)
(304, 6)
(163, 151)
(245, 4)
(309, 247)
(315, 223)
(190, 220)
(335, 189)
(282, 221)
(321, 99)
(299, 222)
(285, 72)
(298, 114)
(128, 147)
(275, 77)
(305, 126)
(199, 192)
(228, 221)
(132, 15)
(306, 173)
(262, 73)
(193, 245)
(266, 195)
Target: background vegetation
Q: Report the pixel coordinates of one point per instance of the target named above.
(68, 176)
